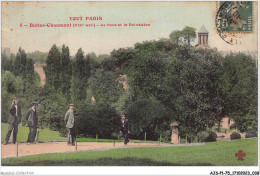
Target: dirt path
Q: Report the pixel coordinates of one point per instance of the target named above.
(24, 149)
(39, 69)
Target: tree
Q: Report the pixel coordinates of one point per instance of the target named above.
(187, 81)
(29, 70)
(175, 36)
(65, 72)
(53, 68)
(4, 61)
(10, 86)
(105, 87)
(20, 63)
(52, 110)
(122, 58)
(150, 116)
(101, 57)
(38, 57)
(91, 63)
(148, 70)
(241, 73)
(97, 119)
(195, 96)
(189, 34)
(80, 76)
(108, 64)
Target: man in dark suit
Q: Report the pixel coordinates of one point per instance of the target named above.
(32, 122)
(125, 129)
(70, 124)
(15, 118)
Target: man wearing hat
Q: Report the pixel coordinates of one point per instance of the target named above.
(32, 122)
(69, 121)
(125, 127)
(15, 118)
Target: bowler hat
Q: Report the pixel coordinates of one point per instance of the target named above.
(15, 98)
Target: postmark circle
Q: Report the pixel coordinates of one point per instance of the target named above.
(233, 20)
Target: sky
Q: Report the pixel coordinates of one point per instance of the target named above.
(164, 17)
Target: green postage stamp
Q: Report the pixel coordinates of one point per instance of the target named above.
(235, 16)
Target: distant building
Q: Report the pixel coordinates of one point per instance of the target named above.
(203, 39)
(227, 122)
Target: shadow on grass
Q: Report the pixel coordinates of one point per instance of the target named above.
(130, 161)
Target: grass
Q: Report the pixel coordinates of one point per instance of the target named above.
(48, 135)
(221, 153)
(22, 136)
(110, 140)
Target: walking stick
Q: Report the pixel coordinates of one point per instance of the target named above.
(16, 148)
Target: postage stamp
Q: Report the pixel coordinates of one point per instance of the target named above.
(232, 18)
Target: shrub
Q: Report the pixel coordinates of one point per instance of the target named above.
(97, 119)
(183, 141)
(151, 116)
(235, 135)
(202, 136)
(232, 127)
(166, 136)
(251, 133)
(211, 137)
(206, 136)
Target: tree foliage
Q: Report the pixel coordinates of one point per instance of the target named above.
(80, 76)
(65, 72)
(105, 87)
(97, 119)
(188, 34)
(53, 68)
(168, 82)
(241, 72)
(150, 116)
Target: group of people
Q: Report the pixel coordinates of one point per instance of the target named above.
(15, 118)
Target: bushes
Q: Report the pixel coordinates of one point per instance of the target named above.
(211, 137)
(150, 116)
(235, 135)
(97, 119)
(205, 136)
(202, 136)
(251, 133)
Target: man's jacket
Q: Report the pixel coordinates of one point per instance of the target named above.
(32, 118)
(12, 116)
(69, 119)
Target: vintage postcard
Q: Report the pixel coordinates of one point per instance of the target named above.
(120, 83)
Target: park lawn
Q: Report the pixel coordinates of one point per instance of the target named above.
(112, 140)
(46, 135)
(22, 136)
(220, 153)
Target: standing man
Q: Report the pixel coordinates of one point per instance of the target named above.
(125, 127)
(70, 121)
(32, 122)
(15, 118)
